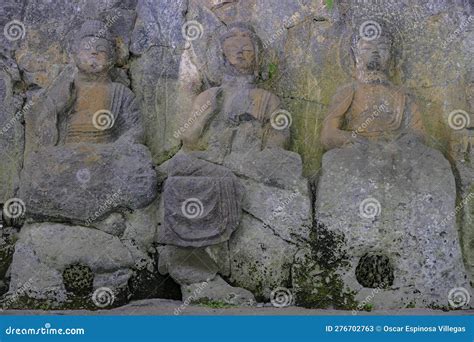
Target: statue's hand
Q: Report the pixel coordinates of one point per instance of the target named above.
(60, 90)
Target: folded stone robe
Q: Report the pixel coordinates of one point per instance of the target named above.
(202, 203)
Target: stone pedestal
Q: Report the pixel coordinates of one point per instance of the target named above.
(275, 223)
(389, 212)
(101, 194)
(84, 183)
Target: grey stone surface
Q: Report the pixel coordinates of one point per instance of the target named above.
(286, 212)
(220, 254)
(271, 166)
(217, 290)
(8, 239)
(141, 226)
(277, 218)
(397, 201)
(114, 224)
(11, 133)
(157, 38)
(44, 250)
(186, 265)
(466, 205)
(166, 307)
(260, 259)
(83, 183)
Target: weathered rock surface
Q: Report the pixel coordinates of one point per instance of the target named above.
(8, 239)
(260, 259)
(186, 265)
(277, 219)
(391, 211)
(44, 251)
(466, 206)
(11, 132)
(216, 290)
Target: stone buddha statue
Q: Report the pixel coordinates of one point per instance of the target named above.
(234, 119)
(85, 130)
(77, 95)
(371, 107)
(233, 152)
(87, 181)
(245, 111)
(384, 193)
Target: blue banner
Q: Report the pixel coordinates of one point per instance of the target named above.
(237, 328)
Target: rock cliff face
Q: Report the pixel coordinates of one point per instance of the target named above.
(167, 53)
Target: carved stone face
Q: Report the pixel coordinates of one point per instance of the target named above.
(240, 52)
(93, 55)
(373, 55)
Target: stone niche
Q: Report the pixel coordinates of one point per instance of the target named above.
(301, 226)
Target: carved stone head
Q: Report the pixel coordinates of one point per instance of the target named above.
(240, 46)
(94, 48)
(373, 53)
